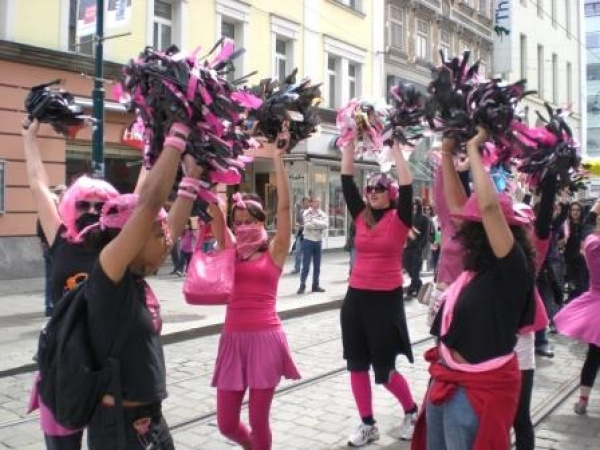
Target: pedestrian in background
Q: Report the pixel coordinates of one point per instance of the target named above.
(418, 237)
(188, 243)
(299, 237)
(315, 224)
(577, 274)
(373, 320)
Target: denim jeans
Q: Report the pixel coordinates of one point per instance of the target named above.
(311, 250)
(452, 425)
(297, 253)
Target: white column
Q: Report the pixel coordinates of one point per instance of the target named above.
(378, 57)
(582, 85)
(63, 40)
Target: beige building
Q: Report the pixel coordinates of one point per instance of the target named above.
(336, 42)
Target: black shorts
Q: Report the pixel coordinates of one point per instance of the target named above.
(374, 331)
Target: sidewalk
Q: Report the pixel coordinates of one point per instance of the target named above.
(21, 316)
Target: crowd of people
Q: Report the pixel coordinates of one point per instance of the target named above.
(506, 273)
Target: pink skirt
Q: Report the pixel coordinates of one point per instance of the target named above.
(580, 319)
(253, 359)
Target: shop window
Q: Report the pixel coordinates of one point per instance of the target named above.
(337, 205)
(2, 187)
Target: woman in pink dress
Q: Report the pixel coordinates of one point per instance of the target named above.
(253, 351)
(580, 319)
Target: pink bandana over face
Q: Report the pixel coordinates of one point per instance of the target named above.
(250, 239)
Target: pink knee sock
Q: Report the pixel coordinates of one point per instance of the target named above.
(399, 387)
(361, 388)
(229, 406)
(259, 409)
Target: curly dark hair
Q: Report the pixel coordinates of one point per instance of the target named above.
(478, 254)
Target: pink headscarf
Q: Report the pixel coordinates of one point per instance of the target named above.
(249, 238)
(117, 211)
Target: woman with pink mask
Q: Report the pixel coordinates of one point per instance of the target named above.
(79, 207)
(374, 330)
(253, 351)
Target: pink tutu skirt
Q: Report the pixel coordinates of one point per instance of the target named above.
(580, 319)
(253, 359)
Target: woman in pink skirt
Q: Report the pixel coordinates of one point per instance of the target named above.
(253, 350)
(580, 319)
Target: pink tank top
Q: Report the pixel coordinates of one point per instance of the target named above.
(378, 265)
(252, 305)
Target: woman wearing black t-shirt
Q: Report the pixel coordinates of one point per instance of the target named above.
(474, 391)
(133, 239)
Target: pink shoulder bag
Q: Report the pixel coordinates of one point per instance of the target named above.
(209, 279)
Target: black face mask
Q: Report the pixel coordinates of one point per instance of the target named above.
(85, 220)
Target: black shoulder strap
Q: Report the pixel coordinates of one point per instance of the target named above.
(115, 367)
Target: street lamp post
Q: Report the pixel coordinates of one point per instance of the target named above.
(98, 96)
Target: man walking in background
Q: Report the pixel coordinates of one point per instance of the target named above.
(297, 250)
(413, 252)
(315, 223)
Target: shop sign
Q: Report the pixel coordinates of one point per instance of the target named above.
(502, 54)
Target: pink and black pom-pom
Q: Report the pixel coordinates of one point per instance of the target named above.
(168, 87)
(291, 103)
(49, 104)
(405, 117)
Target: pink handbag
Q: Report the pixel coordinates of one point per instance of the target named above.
(209, 278)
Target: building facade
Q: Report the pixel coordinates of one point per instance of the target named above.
(415, 33)
(335, 42)
(543, 46)
(592, 73)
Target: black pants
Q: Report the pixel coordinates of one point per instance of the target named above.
(413, 261)
(103, 430)
(590, 366)
(524, 435)
(70, 442)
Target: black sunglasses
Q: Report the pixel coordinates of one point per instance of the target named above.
(378, 189)
(85, 205)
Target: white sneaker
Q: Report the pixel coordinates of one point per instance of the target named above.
(363, 435)
(408, 426)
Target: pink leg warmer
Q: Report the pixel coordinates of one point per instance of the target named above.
(259, 409)
(229, 406)
(399, 387)
(361, 389)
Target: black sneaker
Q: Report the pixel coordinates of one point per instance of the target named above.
(301, 290)
(544, 351)
(318, 289)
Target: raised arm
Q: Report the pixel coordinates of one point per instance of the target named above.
(454, 192)
(182, 207)
(352, 195)
(280, 245)
(38, 181)
(405, 193)
(116, 257)
(497, 230)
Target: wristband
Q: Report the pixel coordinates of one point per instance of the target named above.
(176, 142)
(189, 182)
(187, 194)
(179, 129)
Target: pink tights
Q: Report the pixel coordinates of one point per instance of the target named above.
(229, 406)
(361, 388)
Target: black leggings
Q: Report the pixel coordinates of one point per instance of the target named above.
(524, 435)
(70, 442)
(590, 366)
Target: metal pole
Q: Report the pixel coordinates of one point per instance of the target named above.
(98, 96)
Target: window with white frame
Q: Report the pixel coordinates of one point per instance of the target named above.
(540, 62)
(555, 78)
(397, 30)
(465, 45)
(84, 43)
(523, 56)
(2, 187)
(569, 83)
(483, 67)
(354, 4)
(484, 7)
(333, 97)
(353, 80)
(232, 30)
(282, 67)
(284, 35)
(445, 43)
(422, 41)
(162, 25)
